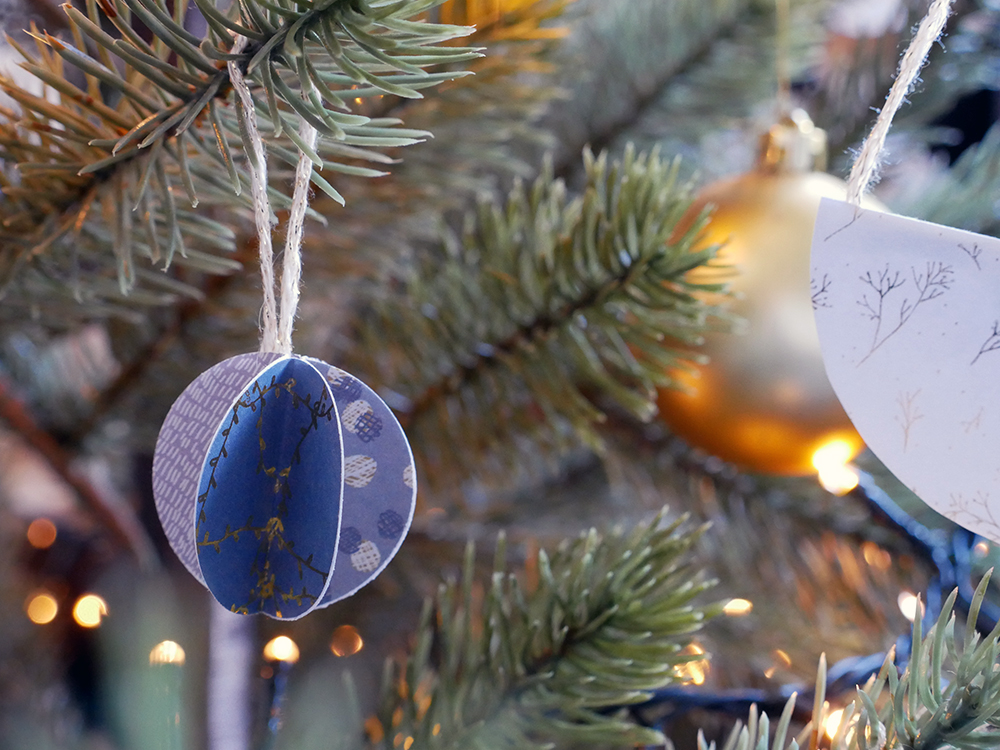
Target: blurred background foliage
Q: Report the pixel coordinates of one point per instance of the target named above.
(85, 386)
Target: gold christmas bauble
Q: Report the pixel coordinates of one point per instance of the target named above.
(763, 400)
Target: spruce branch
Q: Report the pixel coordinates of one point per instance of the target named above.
(487, 129)
(442, 173)
(961, 197)
(540, 665)
(947, 696)
(642, 48)
(138, 125)
(550, 306)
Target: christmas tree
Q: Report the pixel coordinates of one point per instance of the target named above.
(504, 241)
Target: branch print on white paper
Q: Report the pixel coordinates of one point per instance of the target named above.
(909, 414)
(974, 252)
(992, 342)
(911, 345)
(974, 513)
(929, 285)
(820, 292)
(974, 423)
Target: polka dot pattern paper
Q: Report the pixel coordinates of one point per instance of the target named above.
(380, 489)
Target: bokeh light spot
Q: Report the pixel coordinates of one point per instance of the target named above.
(88, 610)
(41, 533)
(283, 649)
(346, 641)
(41, 608)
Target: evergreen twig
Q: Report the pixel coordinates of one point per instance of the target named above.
(104, 166)
(538, 662)
(550, 306)
(948, 695)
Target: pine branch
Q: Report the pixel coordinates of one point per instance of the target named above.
(947, 696)
(537, 664)
(717, 89)
(549, 306)
(487, 130)
(150, 123)
(963, 196)
(624, 58)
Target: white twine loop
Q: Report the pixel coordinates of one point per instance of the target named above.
(276, 334)
(866, 165)
(291, 269)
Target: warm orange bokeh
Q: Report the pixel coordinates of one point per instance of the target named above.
(41, 533)
(764, 401)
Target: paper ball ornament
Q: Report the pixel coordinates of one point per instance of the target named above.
(763, 401)
(283, 483)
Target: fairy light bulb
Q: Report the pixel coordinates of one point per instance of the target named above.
(167, 652)
(41, 608)
(909, 604)
(737, 607)
(282, 649)
(830, 460)
(763, 400)
(832, 723)
(89, 610)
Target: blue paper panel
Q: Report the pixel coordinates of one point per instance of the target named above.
(380, 487)
(269, 497)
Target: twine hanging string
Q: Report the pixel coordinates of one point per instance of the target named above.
(866, 165)
(276, 334)
(782, 56)
(291, 269)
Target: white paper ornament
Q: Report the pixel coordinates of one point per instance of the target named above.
(908, 316)
(909, 324)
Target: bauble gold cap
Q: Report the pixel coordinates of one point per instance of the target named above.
(793, 144)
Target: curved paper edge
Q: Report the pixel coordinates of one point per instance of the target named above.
(183, 441)
(350, 579)
(896, 384)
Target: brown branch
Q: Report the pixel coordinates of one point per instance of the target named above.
(122, 525)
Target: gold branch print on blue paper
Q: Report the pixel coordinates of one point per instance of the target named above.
(284, 483)
(253, 473)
